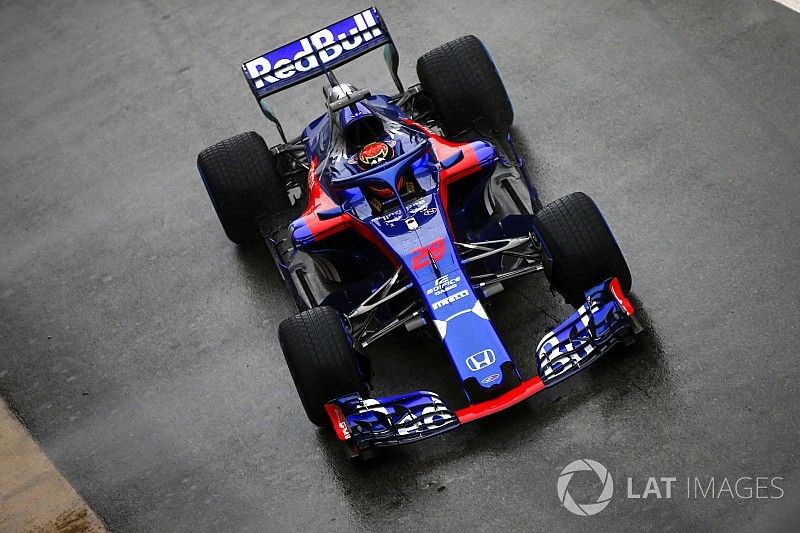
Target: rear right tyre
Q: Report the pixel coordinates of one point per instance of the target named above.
(243, 183)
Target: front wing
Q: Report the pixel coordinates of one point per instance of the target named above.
(363, 424)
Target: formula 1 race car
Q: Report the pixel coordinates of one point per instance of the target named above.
(408, 211)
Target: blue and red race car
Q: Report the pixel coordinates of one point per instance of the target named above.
(408, 211)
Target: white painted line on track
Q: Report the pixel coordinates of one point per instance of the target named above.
(791, 4)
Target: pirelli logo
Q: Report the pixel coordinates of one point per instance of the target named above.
(450, 299)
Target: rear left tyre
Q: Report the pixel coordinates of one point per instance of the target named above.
(462, 81)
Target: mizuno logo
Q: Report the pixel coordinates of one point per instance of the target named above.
(490, 378)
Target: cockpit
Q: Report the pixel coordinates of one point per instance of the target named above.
(375, 168)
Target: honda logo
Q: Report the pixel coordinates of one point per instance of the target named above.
(480, 360)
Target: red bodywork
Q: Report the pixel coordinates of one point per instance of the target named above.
(318, 199)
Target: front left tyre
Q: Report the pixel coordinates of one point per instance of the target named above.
(243, 182)
(321, 359)
(579, 247)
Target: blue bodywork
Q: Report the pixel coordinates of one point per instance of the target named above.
(421, 239)
(419, 234)
(574, 344)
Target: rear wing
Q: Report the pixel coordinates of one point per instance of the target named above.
(319, 52)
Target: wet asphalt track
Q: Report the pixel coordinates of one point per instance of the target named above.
(139, 345)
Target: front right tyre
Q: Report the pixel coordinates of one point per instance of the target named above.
(321, 359)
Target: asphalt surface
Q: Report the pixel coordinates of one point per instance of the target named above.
(139, 346)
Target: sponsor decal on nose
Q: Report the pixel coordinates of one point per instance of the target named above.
(480, 360)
